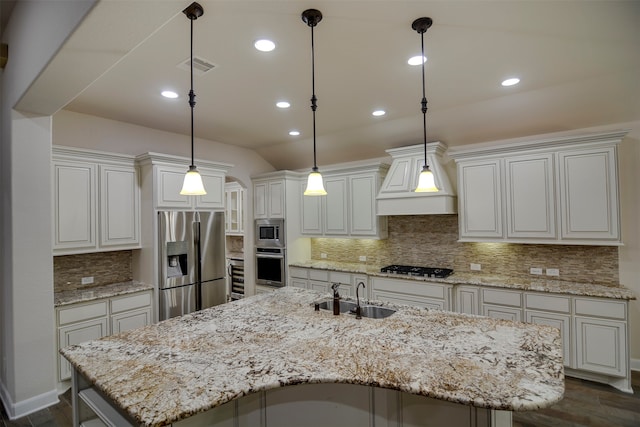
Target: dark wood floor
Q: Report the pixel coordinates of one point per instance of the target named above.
(585, 403)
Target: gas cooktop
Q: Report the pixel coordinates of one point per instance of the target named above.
(409, 270)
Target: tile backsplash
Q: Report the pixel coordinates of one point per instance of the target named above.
(104, 267)
(431, 240)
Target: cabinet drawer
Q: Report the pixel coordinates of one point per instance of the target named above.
(82, 313)
(415, 287)
(321, 275)
(130, 302)
(338, 277)
(298, 272)
(501, 297)
(591, 307)
(548, 303)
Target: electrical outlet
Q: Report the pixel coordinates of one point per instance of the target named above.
(475, 267)
(87, 280)
(323, 255)
(553, 272)
(362, 258)
(535, 270)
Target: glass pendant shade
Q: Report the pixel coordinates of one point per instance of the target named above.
(426, 182)
(192, 184)
(315, 186)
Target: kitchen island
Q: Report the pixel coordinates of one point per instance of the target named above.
(230, 363)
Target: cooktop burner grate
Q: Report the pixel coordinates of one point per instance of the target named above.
(409, 270)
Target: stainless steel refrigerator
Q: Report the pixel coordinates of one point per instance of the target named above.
(192, 262)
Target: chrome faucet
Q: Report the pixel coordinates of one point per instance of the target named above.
(358, 309)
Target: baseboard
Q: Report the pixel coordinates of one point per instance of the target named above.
(25, 407)
(635, 364)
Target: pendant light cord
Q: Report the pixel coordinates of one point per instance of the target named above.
(424, 103)
(314, 100)
(192, 95)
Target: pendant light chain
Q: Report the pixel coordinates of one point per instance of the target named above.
(424, 102)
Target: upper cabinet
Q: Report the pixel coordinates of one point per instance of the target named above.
(349, 208)
(269, 198)
(234, 208)
(96, 201)
(562, 191)
(165, 175)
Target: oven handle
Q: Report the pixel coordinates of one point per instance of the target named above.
(269, 256)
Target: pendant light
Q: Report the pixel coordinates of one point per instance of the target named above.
(192, 185)
(315, 186)
(426, 181)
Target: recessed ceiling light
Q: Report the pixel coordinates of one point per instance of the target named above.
(169, 94)
(283, 104)
(511, 81)
(378, 113)
(294, 132)
(417, 60)
(264, 45)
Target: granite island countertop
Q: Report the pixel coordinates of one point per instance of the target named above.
(97, 292)
(169, 371)
(508, 282)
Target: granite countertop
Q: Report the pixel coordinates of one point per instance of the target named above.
(96, 292)
(166, 372)
(510, 282)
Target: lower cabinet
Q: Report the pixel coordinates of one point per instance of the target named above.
(78, 323)
(467, 299)
(412, 292)
(321, 280)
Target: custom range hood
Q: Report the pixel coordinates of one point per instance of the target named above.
(397, 196)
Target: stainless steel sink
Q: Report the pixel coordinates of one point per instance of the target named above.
(376, 312)
(370, 311)
(345, 306)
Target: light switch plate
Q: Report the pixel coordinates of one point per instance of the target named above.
(535, 270)
(323, 255)
(87, 280)
(475, 267)
(362, 258)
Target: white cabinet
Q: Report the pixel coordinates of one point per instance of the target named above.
(234, 208)
(321, 280)
(558, 191)
(349, 208)
(78, 323)
(501, 304)
(269, 198)
(589, 194)
(467, 299)
(480, 199)
(601, 336)
(169, 179)
(555, 311)
(412, 292)
(96, 201)
(530, 196)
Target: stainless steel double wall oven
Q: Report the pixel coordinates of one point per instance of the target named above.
(270, 252)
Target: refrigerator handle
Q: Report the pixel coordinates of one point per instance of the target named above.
(198, 260)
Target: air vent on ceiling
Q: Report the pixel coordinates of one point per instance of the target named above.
(200, 65)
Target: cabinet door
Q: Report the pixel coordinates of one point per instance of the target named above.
(234, 221)
(276, 199)
(74, 206)
(589, 194)
(311, 215)
(119, 207)
(501, 312)
(299, 283)
(480, 189)
(467, 299)
(335, 207)
(260, 191)
(362, 205)
(530, 203)
(130, 320)
(559, 321)
(214, 186)
(169, 183)
(407, 299)
(601, 346)
(75, 334)
(319, 286)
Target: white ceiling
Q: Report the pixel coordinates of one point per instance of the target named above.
(578, 61)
